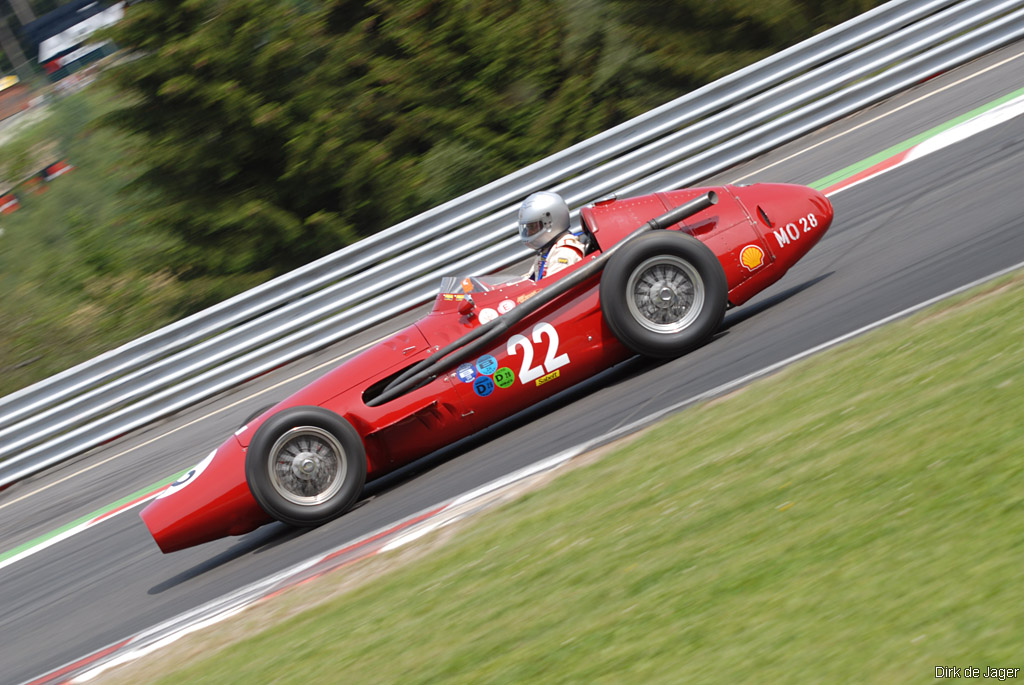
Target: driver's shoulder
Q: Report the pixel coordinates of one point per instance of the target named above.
(572, 240)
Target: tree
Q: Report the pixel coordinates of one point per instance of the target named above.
(213, 100)
(274, 132)
(278, 130)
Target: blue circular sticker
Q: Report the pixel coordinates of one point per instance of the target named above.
(466, 373)
(483, 386)
(486, 365)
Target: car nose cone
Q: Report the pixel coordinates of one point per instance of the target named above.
(213, 503)
(822, 207)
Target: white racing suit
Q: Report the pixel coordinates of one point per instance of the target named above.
(566, 251)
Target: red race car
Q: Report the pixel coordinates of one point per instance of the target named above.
(657, 276)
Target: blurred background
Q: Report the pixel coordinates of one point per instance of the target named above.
(159, 156)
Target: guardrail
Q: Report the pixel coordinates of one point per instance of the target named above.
(704, 132)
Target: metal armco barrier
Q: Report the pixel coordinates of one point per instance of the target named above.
(702, 133)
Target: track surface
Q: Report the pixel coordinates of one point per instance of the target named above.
(910, 235)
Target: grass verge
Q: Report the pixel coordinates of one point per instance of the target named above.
(857, 517)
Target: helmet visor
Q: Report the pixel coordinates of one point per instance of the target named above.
(529, 229)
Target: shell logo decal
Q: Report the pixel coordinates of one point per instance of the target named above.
(752, 257)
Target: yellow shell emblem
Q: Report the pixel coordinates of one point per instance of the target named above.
(752, 257)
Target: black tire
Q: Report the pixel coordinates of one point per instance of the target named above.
(688, 307)
(259, 412)
(305, 466)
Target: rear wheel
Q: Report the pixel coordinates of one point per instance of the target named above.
(305, 466)
(664, 294)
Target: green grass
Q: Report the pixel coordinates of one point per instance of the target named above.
(857, 517)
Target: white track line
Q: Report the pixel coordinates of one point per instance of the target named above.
(881, 116)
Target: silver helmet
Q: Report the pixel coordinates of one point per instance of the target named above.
(543, 217)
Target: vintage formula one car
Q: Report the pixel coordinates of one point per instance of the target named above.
(659, 273)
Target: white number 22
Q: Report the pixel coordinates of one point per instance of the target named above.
(551, 361)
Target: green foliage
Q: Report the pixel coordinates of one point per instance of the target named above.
(278, 131)
(80, 272)
(16, 161)
(210, 97)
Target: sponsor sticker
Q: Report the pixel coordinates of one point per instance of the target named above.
(483, 386)
(752, 257)
(550, 377)
(466, 373)
(487, 315)
(504, 377)
(506, 306)
(486, 365)
(524, 298)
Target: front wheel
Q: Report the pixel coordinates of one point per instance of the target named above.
(663, 294)
(305, 466)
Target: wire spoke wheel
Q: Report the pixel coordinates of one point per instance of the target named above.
(307, 465)
(665, 294)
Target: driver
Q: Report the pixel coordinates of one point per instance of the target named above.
(544, 227)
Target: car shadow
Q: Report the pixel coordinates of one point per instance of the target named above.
(261, 540)
(741, 314)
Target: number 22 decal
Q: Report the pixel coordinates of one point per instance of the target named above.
(551, 361)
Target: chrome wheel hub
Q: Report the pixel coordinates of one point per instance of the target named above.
(307, 465)
(665, 294)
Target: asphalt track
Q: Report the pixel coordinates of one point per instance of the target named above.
(902, 238)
